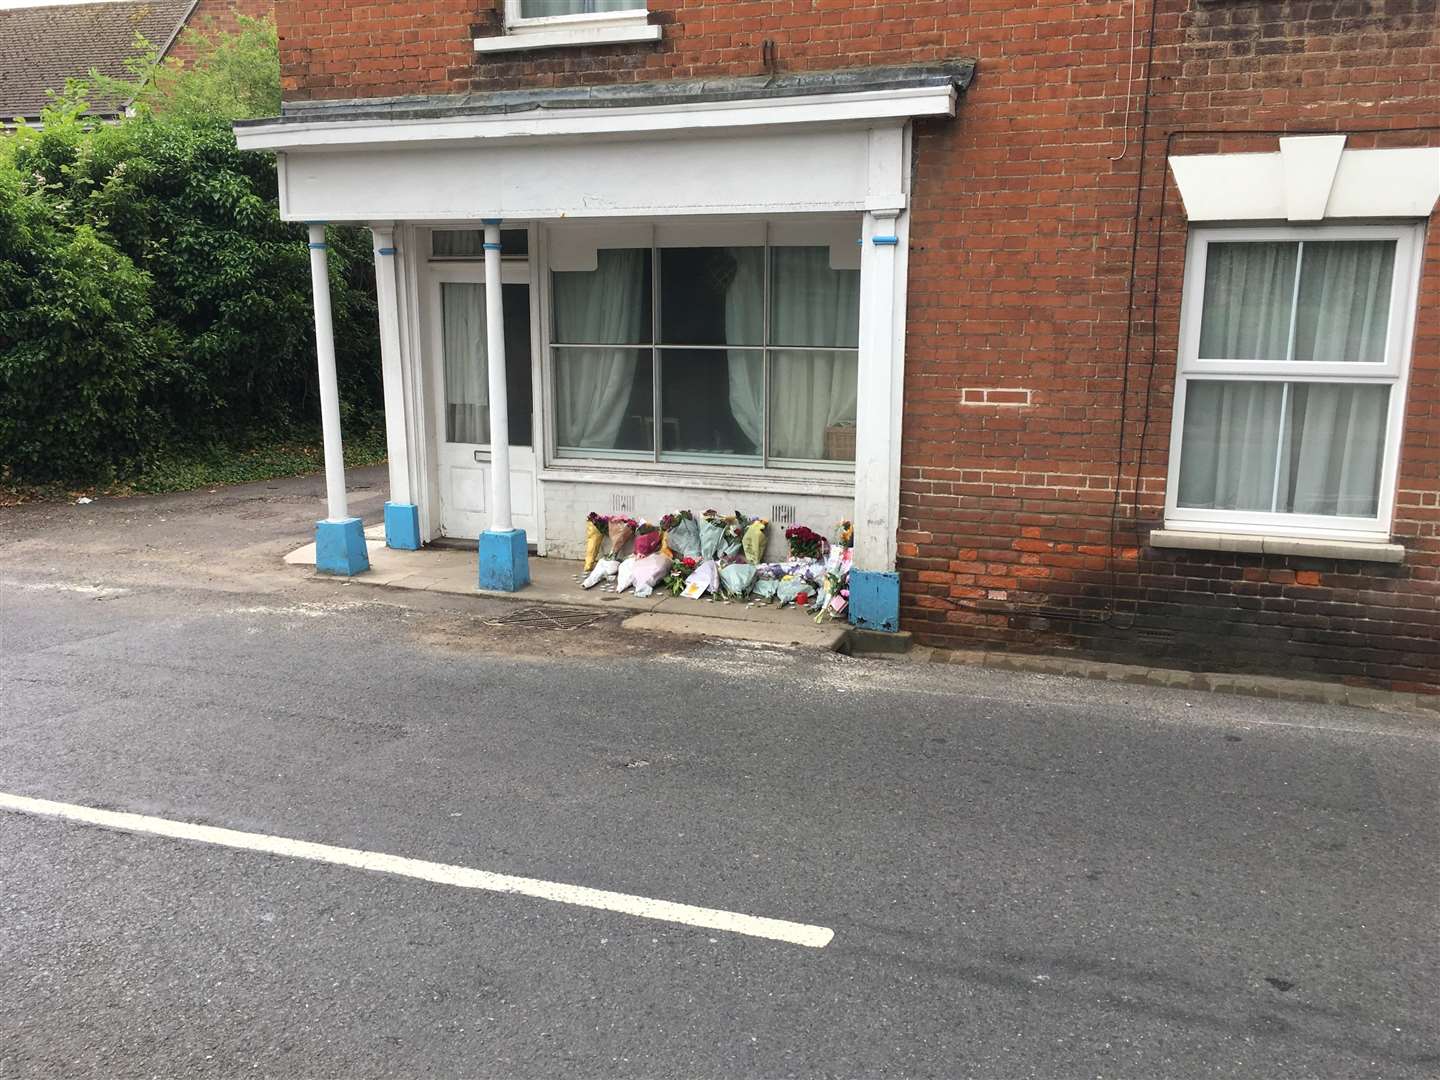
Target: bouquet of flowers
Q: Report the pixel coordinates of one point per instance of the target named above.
(650, 572)
(647, 539)
(794, 589)
(752, 542)
(680, 569)
(737, 579)
(682, 535)
(712, 534)
(621, 529)
(705, 578)
(845, 535)
(596, 526)
(625, 576)
(732, 545)
(805, 543)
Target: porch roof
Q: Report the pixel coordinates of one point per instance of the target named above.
(954, 75)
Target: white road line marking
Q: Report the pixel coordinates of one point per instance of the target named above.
(814, 937)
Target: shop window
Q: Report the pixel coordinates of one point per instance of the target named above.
(710, 355)
(1294, 345)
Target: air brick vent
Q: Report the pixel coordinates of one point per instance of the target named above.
(622, 503)
(782, 514)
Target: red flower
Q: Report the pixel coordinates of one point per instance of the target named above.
(691, 561)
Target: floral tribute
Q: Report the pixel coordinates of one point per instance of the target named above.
(716, 556)
(805, 542)
(596, 528)
(647, 539)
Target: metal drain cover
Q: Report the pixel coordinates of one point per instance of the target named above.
(551, 618)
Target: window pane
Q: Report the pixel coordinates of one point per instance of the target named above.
(711, 401)
(536, 9)
(1334, 445)
(1228, 445)
(812, 405)
(1344, 300)
(604, 399)
(712, 296)
(609, 305)
(467, 387)
(470, 243)
(1249, 294)
(811, 304)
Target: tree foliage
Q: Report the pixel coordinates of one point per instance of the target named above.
(149, 292)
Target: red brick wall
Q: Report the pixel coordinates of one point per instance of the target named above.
(1020, 385)
(216, 17)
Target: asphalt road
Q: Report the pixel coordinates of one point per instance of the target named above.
(1026, 876)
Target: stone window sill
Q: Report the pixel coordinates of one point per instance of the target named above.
(567, 38)
(1311, 547)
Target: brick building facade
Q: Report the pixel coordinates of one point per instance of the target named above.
(1047, 253)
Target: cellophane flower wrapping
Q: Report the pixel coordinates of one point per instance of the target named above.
(650, 572)
(647, 539)
(754, 540)
(712, 534)
(794, 590)
(766, 585)
(621, 530)
(605, 570)
(595, 530)
(737, 579)
(704, 579)
(625, 576)
(732, 541)
(682, 534)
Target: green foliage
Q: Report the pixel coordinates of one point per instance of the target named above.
(150, 296)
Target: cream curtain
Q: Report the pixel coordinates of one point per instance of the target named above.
(593, 386)
(467, 379)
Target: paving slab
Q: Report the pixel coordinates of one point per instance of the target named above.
(557, 581)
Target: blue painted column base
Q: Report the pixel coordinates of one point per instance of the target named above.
(340, 547)
(504, 561)
(875, 600)
(402, 526)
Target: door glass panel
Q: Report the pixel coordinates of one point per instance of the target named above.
(467, 388)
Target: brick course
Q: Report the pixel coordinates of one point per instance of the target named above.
(1036, 375)
(211, 17)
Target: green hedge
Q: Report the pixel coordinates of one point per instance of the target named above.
(150, 296)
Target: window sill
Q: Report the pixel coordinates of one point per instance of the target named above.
(570, 38)
(626, 473)
(1352, 550)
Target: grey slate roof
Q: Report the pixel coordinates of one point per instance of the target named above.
(40, 47)
(957, 73)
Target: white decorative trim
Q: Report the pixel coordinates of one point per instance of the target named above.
(1309, 165)
(1311, 178)
(866, 105)
(569, 37)
(1277, 545)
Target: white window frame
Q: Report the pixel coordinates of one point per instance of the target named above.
(580, 29)
(757, 473)
(1392, 371)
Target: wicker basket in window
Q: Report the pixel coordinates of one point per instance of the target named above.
(840, 442)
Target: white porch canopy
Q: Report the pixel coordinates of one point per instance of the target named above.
(809, 143)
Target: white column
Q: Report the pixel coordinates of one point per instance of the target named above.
(329, 388)
(391, 371)
(880, 383)
(500, 520)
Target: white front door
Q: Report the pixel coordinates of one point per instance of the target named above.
(460, 377)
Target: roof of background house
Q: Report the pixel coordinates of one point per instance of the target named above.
(41, 47)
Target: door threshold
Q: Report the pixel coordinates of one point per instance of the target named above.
(459, 543)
